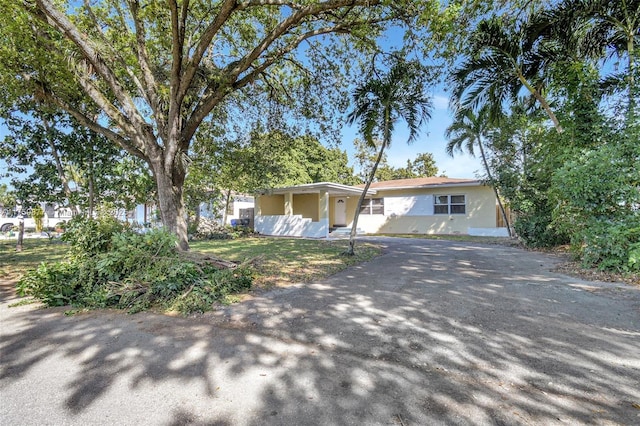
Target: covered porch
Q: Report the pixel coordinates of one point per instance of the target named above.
(310, 210)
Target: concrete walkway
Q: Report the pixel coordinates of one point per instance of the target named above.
(432, 332)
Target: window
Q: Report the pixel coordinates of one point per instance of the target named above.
(449, 204)
(372, 206)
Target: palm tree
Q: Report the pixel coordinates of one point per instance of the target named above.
(604, 28)
(379, 104)
(506, 59)
(468, 129)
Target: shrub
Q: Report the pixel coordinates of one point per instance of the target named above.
(38, 216)
(209, 229)
(611, 246)
(536, 228)
(110, 265)
(596, 197)
(54, 284)
(88, 237)
(634, 257)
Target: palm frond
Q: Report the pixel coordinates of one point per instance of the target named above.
(467, 130)
(399, 94)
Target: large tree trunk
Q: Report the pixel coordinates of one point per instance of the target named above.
(20, 234)
(226, 206)
(170, 184)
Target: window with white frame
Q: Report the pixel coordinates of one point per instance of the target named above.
(372, 206)
(450, 204)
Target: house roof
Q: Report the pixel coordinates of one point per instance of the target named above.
(315, 188)
(429, 182)
(337, 189)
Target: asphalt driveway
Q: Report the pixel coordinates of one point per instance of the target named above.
(432, 332)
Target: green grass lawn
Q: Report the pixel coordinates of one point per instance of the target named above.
(35, 251)
(281, 261)
(277, 261)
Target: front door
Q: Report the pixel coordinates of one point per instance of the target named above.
(340, 212)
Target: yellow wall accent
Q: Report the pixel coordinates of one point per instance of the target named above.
(352, 203)
(332, 210)
(306, 205)
(268, 205)
(288, 203)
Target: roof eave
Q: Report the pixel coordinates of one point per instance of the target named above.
(431, 186)
(315, 188)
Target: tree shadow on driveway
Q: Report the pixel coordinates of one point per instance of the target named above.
(431, 332)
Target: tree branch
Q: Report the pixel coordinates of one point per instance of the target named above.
(301, 12)
(214, 94)
(91, 124)
(175, 101)
(62, 23)
(272, 85)
(177, 43)
(101, 101)
(227, 8)
(282, 28)
(150, 84)
(122, 62)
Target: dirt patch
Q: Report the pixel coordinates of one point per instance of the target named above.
(574, 269)
(8, 289)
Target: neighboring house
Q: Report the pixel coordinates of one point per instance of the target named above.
(53, 215)
(240, 210)
(240, 206)
(432, 205)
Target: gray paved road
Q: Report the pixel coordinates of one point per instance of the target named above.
(432, 332)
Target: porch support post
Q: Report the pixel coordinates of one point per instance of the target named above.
(323, 211)
(288, 204)
(257, 205)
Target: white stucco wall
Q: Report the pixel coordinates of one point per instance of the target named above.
(412, 211)
(237, 205)
(291, 226)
